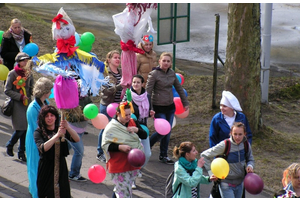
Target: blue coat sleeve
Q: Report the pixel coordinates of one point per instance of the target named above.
(214, 132)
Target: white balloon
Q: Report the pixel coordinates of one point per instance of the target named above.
(174, 122)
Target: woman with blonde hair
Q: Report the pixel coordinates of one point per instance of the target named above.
(159, 88)
(292, 181)
(110, 93)
(13, 42)
(41, 92)
(147, 61)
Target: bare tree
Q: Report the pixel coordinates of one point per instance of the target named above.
(242, 66)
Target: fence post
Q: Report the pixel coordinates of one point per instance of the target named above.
(215, 61)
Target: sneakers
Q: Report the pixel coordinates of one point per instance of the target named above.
(133, 186)
(139, 174)
(166, 160)
(78, 178)
(101, 157)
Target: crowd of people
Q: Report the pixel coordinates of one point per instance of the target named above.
(46, 136)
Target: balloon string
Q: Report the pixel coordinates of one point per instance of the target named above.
(74, 148)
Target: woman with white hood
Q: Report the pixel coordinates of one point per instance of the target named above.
(221, 123)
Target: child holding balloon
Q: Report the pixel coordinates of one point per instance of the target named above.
(188, 172)
(121, 135)
(239, 161)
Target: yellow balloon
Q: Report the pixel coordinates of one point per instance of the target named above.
(3, 72)
(220, 168)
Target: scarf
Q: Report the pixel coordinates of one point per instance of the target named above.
(142, 102)
(117, 133)
(189, 166)
(17, 37)
(19, 70)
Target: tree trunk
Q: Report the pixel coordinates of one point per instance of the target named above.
(242, 66)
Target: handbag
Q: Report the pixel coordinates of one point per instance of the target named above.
(215, 191)
(7, 107)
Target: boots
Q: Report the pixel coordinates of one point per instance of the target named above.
(9, 151)
(22, 157)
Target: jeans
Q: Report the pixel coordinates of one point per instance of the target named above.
(147, 150)
(14, 139)
(229, 191)
(103, 111)
(77, 156)
(164, 139)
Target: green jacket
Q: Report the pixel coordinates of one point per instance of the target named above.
(188, 182)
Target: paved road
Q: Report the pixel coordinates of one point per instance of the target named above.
(14, 182)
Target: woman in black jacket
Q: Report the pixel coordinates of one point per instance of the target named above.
(13, 42)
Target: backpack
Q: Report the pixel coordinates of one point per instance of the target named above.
(168, 187)
(227, 148)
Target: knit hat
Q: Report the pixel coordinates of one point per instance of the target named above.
(21, 56)
(229, 100)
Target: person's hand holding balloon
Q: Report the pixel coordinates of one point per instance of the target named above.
(152, 113)
(249, 169)
(124, 148)
(213, 178)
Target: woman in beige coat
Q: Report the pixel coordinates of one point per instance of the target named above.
(147, 61)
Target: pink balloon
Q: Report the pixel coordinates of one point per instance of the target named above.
(162, 126)
(136, 157)
(111, 109)
(96, 173)
(100, 121)
(184, 114)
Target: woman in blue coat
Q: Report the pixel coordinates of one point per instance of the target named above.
(188, 173)
(41, 91)
(221, 123)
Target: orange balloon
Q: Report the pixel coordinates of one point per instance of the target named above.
(100, 121)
